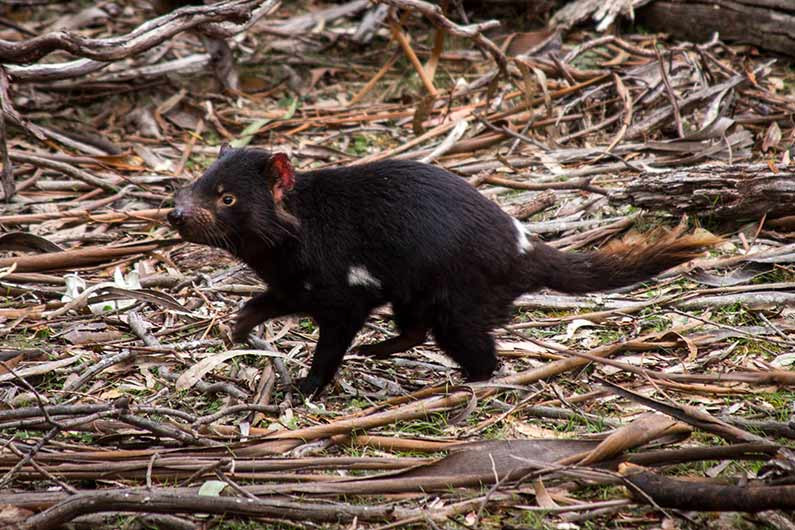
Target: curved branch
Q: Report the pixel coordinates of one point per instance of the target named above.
(159, 502)
(473, 31)
(54, 71)
(145, 36)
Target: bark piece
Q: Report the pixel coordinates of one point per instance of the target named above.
(720, 192)
(603, 12)
(704, 496)
(769, 24)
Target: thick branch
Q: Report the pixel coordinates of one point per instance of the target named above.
(211, 20)
(156, 502)
(759, 22)
(718, 191)
(704, 496)
(7, 176)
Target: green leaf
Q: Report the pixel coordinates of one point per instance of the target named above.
(291, 109)
(256, 126)
(249, 132)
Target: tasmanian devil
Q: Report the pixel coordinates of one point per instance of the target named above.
(336, 243)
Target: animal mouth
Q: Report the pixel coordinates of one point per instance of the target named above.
(199, 225)
(187, 234)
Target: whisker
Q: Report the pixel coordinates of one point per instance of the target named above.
(222, 230)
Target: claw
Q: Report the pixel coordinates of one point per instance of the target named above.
(241, 330)
(310, 386)
(374, 351)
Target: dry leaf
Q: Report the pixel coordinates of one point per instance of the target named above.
(193, 374)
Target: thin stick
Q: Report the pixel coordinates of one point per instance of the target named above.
(438, 46)
(401, 38)
(376, 78)
(7, 176)
(192, 137)
(669, 89)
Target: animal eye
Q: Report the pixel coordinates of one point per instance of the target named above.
(228, 199)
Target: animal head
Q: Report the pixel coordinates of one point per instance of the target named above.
(238, 201)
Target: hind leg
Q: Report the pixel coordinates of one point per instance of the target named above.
(407, 339)
(469, 343)
(413, 332)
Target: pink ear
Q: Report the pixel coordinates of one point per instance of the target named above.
(284, 175)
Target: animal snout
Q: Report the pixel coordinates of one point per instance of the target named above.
(177, 217)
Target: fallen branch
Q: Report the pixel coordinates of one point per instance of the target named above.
(435, 14)
(7, 176)
(80, 256)
(95, 54)
(156, 502)
(70, 216)
(704, 496)
(62, 167)
(715, 191)
(277, 442)
(694, 416)
(144, 37)
(755, 22)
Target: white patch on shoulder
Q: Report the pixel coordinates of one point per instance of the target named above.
(523, 245)
(358, 275)
(307, 286)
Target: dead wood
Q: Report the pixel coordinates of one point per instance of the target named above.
(298, 24)
(7, 182)
(151, 502)
(79, 257)
(699, 495)
(141, 216)
(473, 31)
(118, 368)
(692, 416)
(603, 12)
(667, 457)
(767, 24)
(142, 38)
(715, 191)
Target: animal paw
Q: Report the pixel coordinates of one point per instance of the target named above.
(241, 329)
(245, 322)
(310, 386)
(370, 350)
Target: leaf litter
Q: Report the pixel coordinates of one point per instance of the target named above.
(119, 383)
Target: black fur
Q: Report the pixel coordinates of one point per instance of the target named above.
(445, 257)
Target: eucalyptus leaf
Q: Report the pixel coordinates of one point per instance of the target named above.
(212, 488)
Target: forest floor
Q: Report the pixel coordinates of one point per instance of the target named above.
(124, 403)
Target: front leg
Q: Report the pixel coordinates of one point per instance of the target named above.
(259, 309)
(336, 335)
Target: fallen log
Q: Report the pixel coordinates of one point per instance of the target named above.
(667, 492)
(734, 192)
(768, 24)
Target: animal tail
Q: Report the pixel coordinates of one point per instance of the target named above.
(617, 265)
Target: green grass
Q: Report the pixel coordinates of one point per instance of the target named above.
(776, 275)
(253, 524)
(307, 325)
(360, 145)
(198, 163)
(433, 425)
(536, 519)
